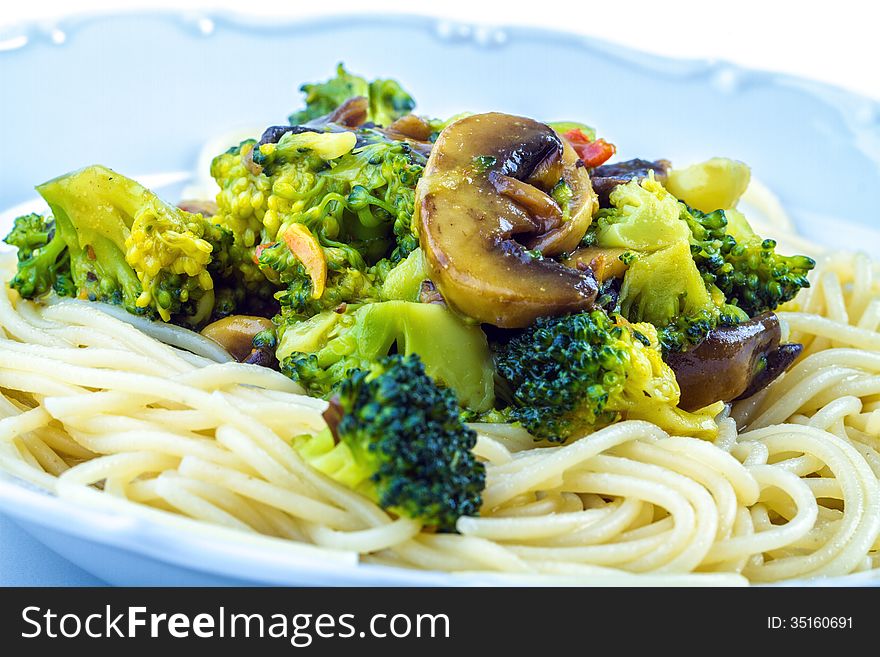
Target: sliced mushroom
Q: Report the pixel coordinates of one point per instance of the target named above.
(608, 176)
(351, 114)
(412, 129)
(428, 293)
(410, 126)
(733, 362)
(236, 334)
(477, 220)
(274, 133)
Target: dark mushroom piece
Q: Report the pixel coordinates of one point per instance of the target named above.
(428, 293)
(733, 362)
(236, 334)
(484, 201)
(274, 133)
(412, 129)
(348, 116)
(608, 176)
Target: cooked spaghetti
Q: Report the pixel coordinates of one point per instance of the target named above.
(778, 478)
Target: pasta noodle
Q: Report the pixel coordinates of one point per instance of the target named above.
(789, 489)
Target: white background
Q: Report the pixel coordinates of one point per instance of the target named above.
(836, 42)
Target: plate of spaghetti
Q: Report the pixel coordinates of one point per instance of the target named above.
(490, 338)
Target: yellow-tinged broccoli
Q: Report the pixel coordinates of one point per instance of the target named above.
(576, 373)
(397, 438)
(296, 167)
(352, 194)
(321, 351)
(651, 391)
(643, 217)
(119, 243)
(165, 242)
(672, 246)
(663, 285)
(244, 192)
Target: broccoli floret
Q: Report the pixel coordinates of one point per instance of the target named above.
(322, 351)
(348, 280)
(359, 189)
(352, 196)
(29, 233)
(388, 102)
(244, 192)
(43, 259)
(381, 177)
(691, 271)
(575, 373)
(661, 285)
(324, 97)
(643, 217)
(114, 241)
(744, 267)
(666, 289)
(387, 99)
(400, 442)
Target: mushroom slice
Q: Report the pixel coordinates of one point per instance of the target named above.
(410, 126)
(469, 210)
(236, 334)
(582, 206)
(412, 129)
(544, 213)
(733, 362)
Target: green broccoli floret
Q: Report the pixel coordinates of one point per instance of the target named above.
(387, 99)
(322, 351)
(244, 191)
(381, 177)
(353, 192)
(666, 289)
(745, 268)
(575, 373)
(29, 233)
(43, 259)
(114, 241)
(349, 280)
(324, 97)
(400, 442)
(358, 188)
(388, 102)
(661, 285)
(742, 275)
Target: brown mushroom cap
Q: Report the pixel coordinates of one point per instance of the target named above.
(732, 362)
(472, 201)
(235, 333)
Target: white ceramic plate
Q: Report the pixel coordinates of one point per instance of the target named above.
(142, 93)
